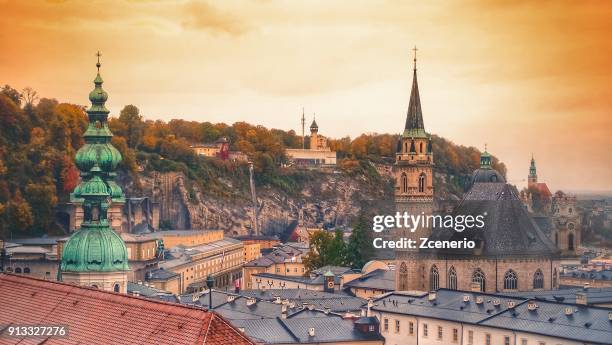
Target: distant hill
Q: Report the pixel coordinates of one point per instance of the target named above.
(38, 143)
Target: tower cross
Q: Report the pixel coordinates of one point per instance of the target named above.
(415, 52)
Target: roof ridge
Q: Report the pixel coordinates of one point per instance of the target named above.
(295, 337)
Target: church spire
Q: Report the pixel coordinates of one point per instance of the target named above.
(414, 118)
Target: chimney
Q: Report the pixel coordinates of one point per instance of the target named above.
(466, 298)
(311, 332)
(496, 302)
(581, 298)
(231, 298)
(610, 316)
(284, 311)
(569, 311)
(251, 301)
(277, 300)
(479, 299)
(140, 282)
(327, 310)
(431, 296)
(511, 304)
(531, 305)
(370, 305)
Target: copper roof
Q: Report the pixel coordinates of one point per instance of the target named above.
(99, 317)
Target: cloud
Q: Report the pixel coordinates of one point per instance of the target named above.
(202, 16)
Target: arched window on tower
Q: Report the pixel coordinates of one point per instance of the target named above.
(510, 280)
(421, 148)
(403, 276)
(434, 278)
(478, 279)
(538, 279)
(117, 287)
(18, 270)
(404, 183)
(452, 279)
(422, 182)
(570, 241)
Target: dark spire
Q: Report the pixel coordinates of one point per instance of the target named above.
(414, 118)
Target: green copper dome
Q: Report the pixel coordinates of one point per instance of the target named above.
(95, 247)
(105, 155)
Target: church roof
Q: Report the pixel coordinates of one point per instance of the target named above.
(508, 227)
(99, 317)
(414, 118)
(542, 188)
(486, 175)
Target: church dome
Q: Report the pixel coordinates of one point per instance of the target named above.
(486, 173)
(106, 155)
(98, 95)
(96, 249)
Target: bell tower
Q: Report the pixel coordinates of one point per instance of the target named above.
(95, 255)
(413, 172)
(533, 175)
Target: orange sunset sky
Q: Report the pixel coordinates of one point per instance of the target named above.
(520, 76)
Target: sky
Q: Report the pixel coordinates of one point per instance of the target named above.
(521, 76)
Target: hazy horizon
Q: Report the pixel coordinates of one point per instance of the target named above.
(522, 77)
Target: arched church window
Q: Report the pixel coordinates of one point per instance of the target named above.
(18, 270)
(478, 278)
(404, 183)
(26, 270)
(434, 278)
(452, 278)
(403, 283)
(421, 148)
(94, 286)
(422, 182)
(538, 279)
(570, 241)
(510, 280)
(117, 287)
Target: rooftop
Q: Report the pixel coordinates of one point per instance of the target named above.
(583, 323)
(99, 317)
(378, 279)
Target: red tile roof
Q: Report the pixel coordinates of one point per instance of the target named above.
(543, 189)
(99, 317)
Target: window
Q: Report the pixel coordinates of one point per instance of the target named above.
(455, 335)
(510, 280)
(523, 341)
(506, 340)
(452, 278)
(26, 270)
(411, 327)
(116, 288)
(439, 332)
(422, 183)
(371, 328)
(487, 339)
(570, 241)
(470, 337)
(434, 278)
(397, 326)
(278, 270)
(478, 278)
(403, 284)
(386, 325)
(554, 282)
(18, 270)
(425, 330)
(538, 279)
(404, 183)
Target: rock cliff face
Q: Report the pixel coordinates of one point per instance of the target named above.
(329, 199)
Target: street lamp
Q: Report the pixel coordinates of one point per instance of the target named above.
(210, 281)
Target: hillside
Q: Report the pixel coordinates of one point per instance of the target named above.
(38, 141)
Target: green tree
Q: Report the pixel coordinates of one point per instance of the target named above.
(359, 248)
(129, 125)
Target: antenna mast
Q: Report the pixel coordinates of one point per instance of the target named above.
(303, 130)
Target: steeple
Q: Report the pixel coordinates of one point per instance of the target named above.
(533, 176)
(313, 126)
(95, 255)
(414, 118)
